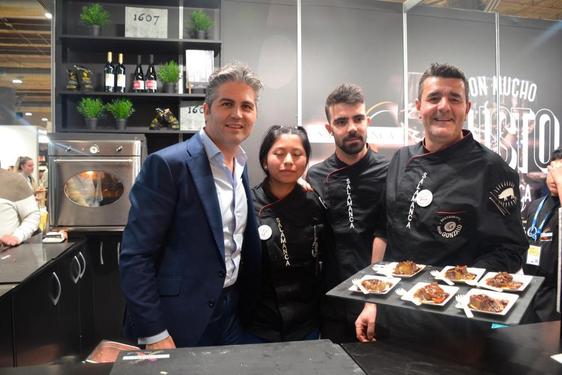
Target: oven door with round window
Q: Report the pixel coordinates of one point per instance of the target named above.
(92, 191)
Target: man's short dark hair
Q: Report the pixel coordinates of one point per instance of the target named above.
(556, 155)
(443, 71)
(347, 93)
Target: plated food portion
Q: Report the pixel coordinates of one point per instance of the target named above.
(489, 302)
(506, 281)
(372, 284)
(405, 268)
(431, 293)
(463, 274)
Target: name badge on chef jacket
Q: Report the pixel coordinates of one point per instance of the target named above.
(534, 255)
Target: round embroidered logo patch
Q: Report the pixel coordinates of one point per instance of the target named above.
(449, 226)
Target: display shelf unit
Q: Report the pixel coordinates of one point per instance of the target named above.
(137, 45)
(75, 46)
(134, 94)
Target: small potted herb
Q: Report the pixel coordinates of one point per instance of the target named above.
(92, 110)
(121, 109)
(200, 23)
(94, 16)
(169, 74)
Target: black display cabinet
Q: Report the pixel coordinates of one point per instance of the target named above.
(75, 45)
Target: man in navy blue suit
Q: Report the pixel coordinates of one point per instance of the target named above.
(190, 256)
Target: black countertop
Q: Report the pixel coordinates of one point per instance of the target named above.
(19, 262)
(320, 357)
(524, 349)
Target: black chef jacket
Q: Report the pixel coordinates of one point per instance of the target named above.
(543, 306)
(288, 306)
(354, 197)
(473, 217)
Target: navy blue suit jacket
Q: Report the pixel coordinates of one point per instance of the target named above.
(172, 255)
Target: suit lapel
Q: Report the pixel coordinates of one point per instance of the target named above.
(200, 169)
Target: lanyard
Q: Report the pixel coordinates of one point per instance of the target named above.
(534, 232)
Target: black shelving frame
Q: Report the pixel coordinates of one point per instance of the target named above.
(74, 45)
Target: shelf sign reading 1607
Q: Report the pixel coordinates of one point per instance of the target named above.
(146, 22)
(143, 17)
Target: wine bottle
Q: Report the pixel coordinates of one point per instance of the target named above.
(151, 82)
(120, 80)
(138, 77)
(109, 74)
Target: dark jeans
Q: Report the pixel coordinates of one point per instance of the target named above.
(224, 327)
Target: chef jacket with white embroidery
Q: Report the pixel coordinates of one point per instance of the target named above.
(354, 197)
(459, 205)
(292, 234)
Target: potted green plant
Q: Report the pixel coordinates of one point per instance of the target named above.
(94, 16)
(92, 110)
(121, 109)
(200, 23)
(169, 74)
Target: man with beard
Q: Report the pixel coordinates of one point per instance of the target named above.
(351, 185)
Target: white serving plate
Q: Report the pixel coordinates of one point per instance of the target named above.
(359, 288)
(474, 270)
(409, 296)
(524, 279)
(510, 297)
(388, 270)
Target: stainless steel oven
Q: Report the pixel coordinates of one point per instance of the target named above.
(90, 179)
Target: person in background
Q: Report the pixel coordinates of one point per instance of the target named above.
(25, 167)
(291, 231)
(190, 256)
(449, 199)
(19, 213)
(540, 220)
(351, 184)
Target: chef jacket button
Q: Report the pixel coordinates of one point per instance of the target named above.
(211, 304)
(222, 274)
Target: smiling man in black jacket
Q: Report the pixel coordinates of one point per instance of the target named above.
(450, 200)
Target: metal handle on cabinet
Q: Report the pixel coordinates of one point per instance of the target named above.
(84, 260)
(101, 253)
(55, 300)
(77, 277)
(118, 250)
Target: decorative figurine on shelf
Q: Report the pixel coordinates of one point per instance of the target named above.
(84, 76)
(164, 119)
(79, 78)
(72, 84)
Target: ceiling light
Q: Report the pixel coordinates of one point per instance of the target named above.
(17, 80)
(48, 15)
(44, 119)
(28, 114)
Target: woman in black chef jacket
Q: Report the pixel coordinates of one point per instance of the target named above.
(540, 219)
(291, 230)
